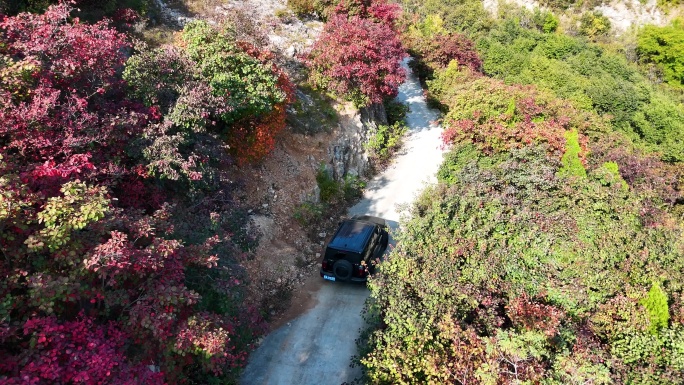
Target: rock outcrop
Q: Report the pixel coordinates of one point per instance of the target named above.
(347, 155)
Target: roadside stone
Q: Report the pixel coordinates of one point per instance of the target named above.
(291, 51)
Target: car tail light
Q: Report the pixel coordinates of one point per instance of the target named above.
(326, 266)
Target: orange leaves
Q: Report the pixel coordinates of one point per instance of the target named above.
(254, 138)
(527, 313)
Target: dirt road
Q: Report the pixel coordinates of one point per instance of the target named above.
(316, 348)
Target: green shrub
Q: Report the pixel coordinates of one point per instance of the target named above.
(608, 174)
(308, 213)
(559, 47)
(333, 191)
(664, 46)
(661, 123)
(649, 359)
(546, 21)
(656, 305)
(455, 160)
(594, 24)
(302, 7)
(456, 15)
(619, 98)
(503, 60)
(281, 13)
(250, 86)
(558, 4)
(352, 187)
(385, 141)
(429, 26)
(396, 111)
(156, 76)
(328, 186)
(592, 78)
(497, 117)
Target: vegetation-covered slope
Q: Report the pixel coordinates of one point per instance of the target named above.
(551, 249)
(120, 236)
(511, 272)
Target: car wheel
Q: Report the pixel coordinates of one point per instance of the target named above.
(343, 269)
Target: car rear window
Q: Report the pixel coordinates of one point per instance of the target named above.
(352, 236)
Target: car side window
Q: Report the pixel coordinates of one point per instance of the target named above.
(372, 245)
(370, 250)
(377, 245)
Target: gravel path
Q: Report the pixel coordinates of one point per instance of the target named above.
(316, 348)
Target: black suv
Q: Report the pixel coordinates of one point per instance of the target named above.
(352, 252)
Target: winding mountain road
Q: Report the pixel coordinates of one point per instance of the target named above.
(316, 348)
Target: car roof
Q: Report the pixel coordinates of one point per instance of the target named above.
(352, 236)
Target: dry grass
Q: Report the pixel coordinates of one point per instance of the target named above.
(196, 7)
(158, 35)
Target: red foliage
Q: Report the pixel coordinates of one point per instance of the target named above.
(465, 352)
(357, 55)
(212, 335)
(77, 351)
(531, 119)
(532, 315)
(49, 176)
(65, 117)
(377, 10)
(644, 173)
(133, 192)
(494, 135)
(126, 16)
(65, 103)
(441, 49)
(254, 138)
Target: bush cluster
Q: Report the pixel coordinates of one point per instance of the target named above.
(358, 54)
(497, 117)
(508, 272)
(591, 77)
(303, 8)
(460, 16)
(385, 141)
(333, 191)
(550, 251)
(664, 46)
(121, 239)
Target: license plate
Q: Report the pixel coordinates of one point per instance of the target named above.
(329, 278)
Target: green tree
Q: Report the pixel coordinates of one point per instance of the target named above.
(664, 46)
(656, 305)
(594, 24)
